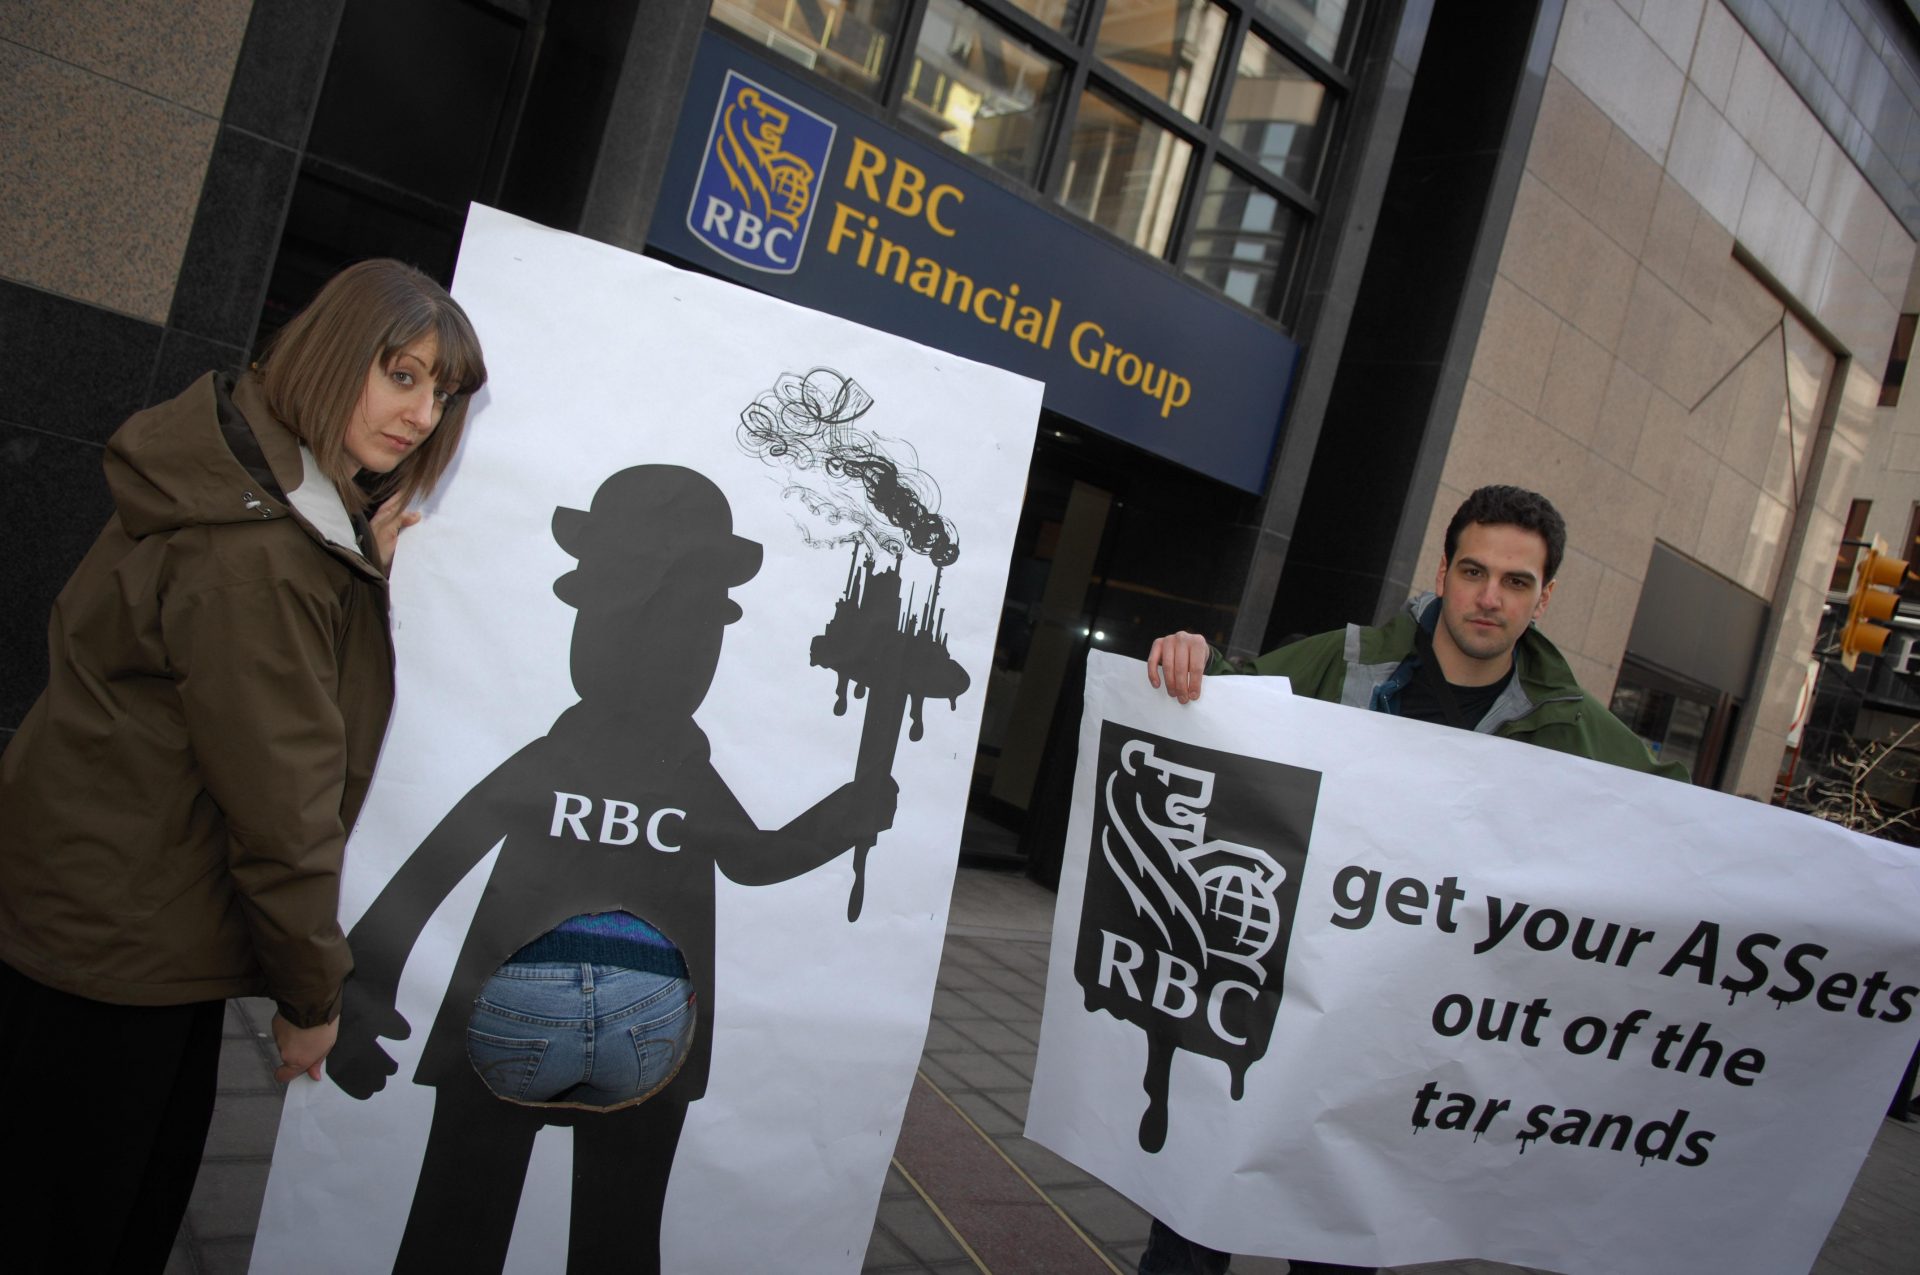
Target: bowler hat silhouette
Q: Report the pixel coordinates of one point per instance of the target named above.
(647, 523)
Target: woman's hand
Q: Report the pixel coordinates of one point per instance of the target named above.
(388, 523)
(302, 1048)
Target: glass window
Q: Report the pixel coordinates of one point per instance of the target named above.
(1062, 15)
(981, 90)
(1316, 22)
(1242, 239)
(1680, 721)
(1686, 733)
(1124, 172)
(1274, 112)
(844, 40)
(1167, 47)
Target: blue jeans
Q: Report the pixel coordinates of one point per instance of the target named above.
(583, 1035)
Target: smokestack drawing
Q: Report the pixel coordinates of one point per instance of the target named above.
(890, 651)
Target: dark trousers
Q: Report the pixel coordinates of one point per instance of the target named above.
(107, 1108)
(1169, 1253)
(476, 1164)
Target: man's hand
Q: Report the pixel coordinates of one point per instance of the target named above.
(302, 1048)
(392, 519)
(1178, 661)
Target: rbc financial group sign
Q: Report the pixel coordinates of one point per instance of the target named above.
(776, 185)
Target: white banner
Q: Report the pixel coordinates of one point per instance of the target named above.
(709, 570)
(1335, 985)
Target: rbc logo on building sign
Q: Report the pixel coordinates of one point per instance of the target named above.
(759, 177)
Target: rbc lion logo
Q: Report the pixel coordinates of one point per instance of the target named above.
(1193, 877)
(759, 177)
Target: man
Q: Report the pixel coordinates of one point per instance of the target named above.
(1465, 655)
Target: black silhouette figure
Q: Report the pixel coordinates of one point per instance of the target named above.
(617, 807)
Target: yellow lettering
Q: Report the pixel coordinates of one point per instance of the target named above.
(1091, 350)
(842, 214)
(903, 192)
(900, 257)
(1178, 390)
(1030, 325)
(868, 162)
(1006, 311)
(1085, 360)
(941, 193)
(980, 303)
(1053, 320)
(925, 278)
(946, 293)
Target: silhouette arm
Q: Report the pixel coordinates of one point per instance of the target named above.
(854, 813)
(382, 939)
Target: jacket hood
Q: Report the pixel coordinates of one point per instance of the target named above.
(214, 455)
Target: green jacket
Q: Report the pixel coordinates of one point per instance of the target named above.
(1367, 667)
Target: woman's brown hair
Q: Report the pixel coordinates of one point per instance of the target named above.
(315, 370)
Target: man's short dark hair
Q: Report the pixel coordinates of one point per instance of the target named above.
(1501, 506)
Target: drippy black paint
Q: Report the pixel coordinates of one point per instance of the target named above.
(896, 661)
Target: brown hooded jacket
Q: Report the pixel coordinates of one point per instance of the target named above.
(174, 808)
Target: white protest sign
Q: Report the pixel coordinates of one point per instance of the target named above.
(1334, 985)
(712, 576)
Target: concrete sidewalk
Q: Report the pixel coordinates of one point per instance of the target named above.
(967, 1193)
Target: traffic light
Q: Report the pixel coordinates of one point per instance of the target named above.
(1872, 603)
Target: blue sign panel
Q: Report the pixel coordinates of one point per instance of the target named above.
(759, 177)
(775, 184)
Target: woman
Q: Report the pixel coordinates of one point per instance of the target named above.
(173, 809)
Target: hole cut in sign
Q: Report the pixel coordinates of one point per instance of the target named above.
(597, 1014)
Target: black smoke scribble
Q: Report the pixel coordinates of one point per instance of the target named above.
(805, 423)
